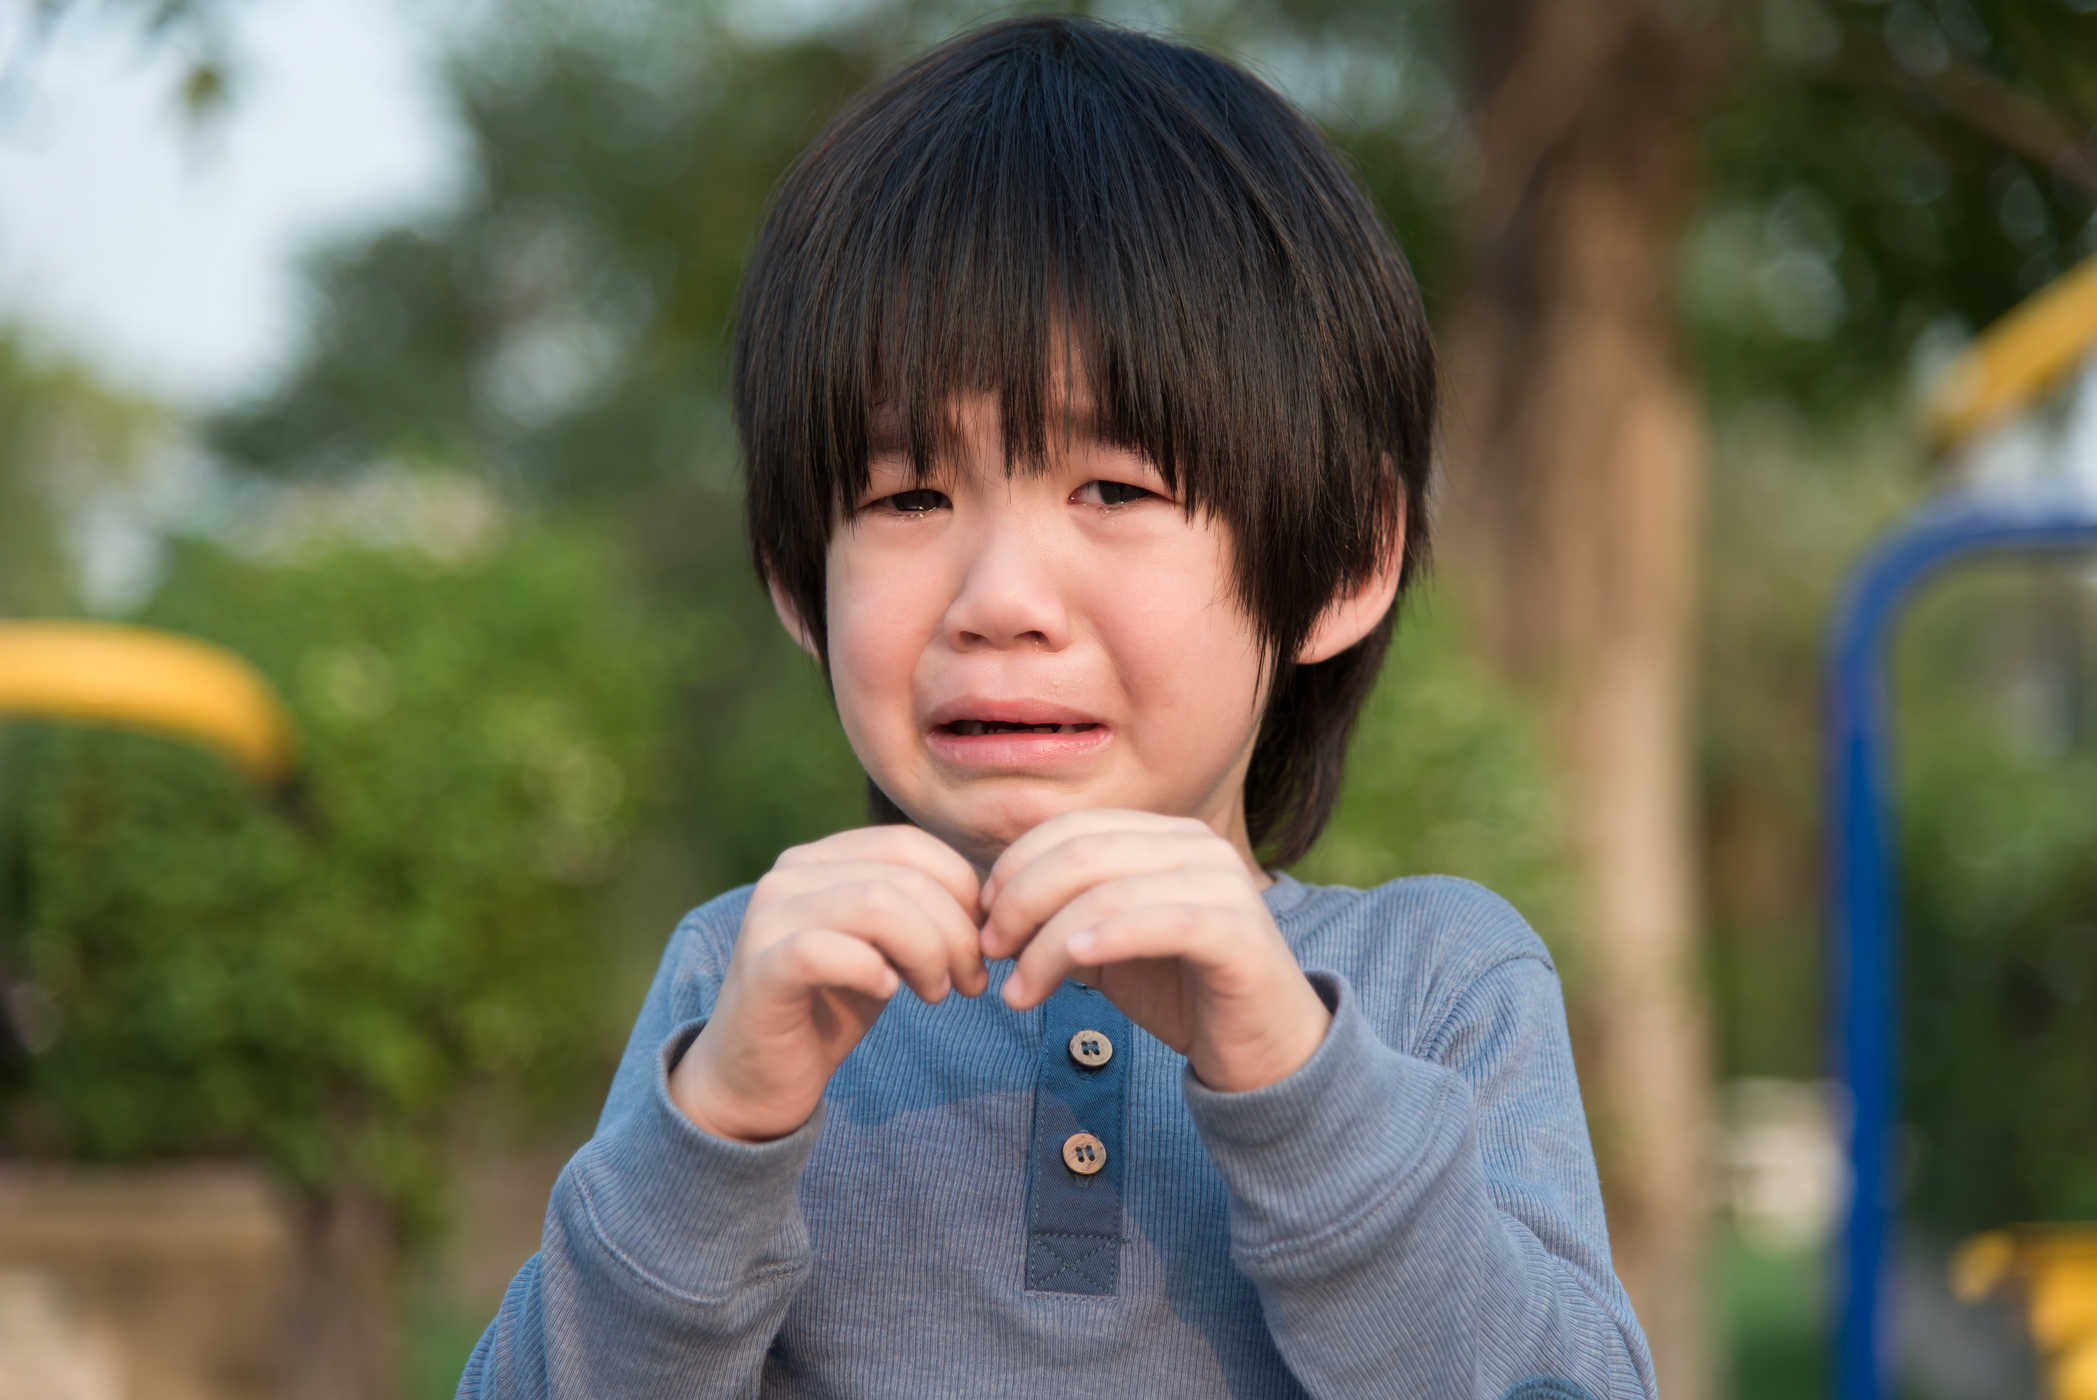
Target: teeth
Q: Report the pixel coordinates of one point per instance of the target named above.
(998, 726)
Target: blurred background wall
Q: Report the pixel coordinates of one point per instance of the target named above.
(458, 479)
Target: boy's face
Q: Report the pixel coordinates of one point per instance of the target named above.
(1082, 598)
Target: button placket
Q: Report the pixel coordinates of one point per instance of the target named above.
(1076, 1166)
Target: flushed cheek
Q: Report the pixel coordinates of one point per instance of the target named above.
(1189, 668)
(1163, 622)
(875, 645)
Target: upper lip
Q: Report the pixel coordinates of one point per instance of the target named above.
(1007, 712)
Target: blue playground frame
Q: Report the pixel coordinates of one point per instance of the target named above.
(1862, 861)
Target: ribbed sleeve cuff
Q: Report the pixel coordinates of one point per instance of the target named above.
(695, 1214)
(1311, 1154)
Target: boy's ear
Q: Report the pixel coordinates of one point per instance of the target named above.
(1358, 608)
(790, 619)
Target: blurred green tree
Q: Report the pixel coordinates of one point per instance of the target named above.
(1998, 849)
(481, 716)
(1450, 773)
(481, 738)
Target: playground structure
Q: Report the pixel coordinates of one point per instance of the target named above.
(2023, 357)
(148, 679)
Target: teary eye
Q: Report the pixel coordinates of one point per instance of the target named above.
(1115, 493)
(919, 502)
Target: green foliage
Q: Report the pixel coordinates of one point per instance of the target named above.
(753, 758)
(1793, 507)
(482, 739)
(1449, 774)
(1876, 172)
(1776, 1305)
(1998, 898)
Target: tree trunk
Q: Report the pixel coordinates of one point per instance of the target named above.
(1576, 458)
(342, 1343)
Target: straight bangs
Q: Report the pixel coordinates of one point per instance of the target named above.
(1087, 224)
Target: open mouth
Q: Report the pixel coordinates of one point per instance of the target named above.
(970, 727)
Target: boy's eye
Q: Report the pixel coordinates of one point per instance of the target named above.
(919, 502)
(1114, 493)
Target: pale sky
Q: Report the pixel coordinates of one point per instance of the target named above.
(164, 256)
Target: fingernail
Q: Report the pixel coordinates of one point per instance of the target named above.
(1083, 942)
(1013, 987)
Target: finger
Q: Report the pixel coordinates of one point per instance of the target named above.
(1189, 933)
(896, 845)
(1034, 892)
(878, 912)
(826, 958)
(934, 901)
(1063, 827)
(1184, 899)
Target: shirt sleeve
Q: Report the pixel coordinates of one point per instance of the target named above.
(1430, 1224)
(669, 1256)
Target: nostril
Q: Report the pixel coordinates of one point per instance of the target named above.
(1034, 640)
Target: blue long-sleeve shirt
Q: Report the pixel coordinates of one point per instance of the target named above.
(1414, 1212)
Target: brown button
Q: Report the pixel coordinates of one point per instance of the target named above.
(1084, 1154)
(1091, 1049)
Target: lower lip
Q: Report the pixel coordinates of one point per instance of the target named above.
(1017, 750)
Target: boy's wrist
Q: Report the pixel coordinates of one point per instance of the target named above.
(1240, 1068)
(697, 1095)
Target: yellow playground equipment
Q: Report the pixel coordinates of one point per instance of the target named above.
(2054, 1267)
(147, 679)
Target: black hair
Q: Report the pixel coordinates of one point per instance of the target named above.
(1052, 192)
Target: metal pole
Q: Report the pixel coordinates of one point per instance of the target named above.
(1862, 862)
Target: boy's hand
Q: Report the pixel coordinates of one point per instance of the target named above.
(827, 932)
(1163, 916)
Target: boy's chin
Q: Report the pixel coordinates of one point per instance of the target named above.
(981, 835)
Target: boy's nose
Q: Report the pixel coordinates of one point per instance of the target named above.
(1006, 593)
